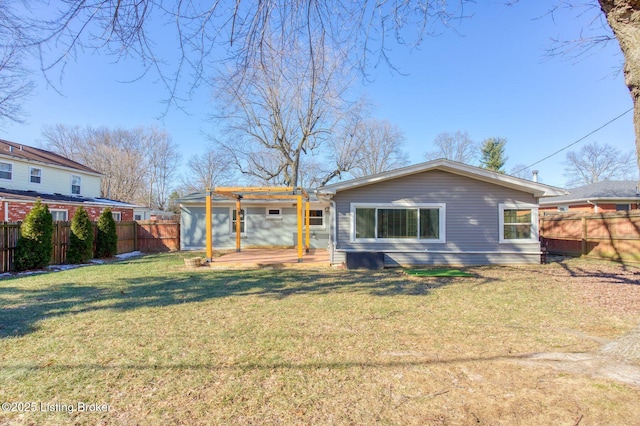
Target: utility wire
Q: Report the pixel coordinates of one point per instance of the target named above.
(578, 141)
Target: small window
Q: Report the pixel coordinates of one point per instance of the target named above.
(518, 223)
(6, 171)
(316, 217)
(137, 217)
(75, 184)
(35, 175)
(233, 221)
(622, 207)
(563, 208)
(117, 216)
(59, 215)
(274, 213)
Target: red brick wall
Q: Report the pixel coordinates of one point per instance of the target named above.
(18, 210)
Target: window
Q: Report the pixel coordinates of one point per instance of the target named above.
(137, 217)
(59, 215)
(425, 222)
(6, 171)
(622, 207)
(274, 213)
(316, 218)
(233, 221)
(75, 184)
(518, 222)
(117, 216)
(35, 175)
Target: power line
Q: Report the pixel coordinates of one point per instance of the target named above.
(578, 141)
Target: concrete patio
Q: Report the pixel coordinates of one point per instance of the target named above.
(272, 258)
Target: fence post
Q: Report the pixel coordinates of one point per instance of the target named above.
(584, 235)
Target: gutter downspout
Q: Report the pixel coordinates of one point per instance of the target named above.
(334, 231)
(595, 206)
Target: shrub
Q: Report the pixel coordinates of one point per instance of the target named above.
(81, 238)
(35, 243)
(107, 238)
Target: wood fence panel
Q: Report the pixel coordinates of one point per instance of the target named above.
(126, 232)
(158, 236)
(614, 236)
(9, 233)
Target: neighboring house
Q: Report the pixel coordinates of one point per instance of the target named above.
(264, 223)
(599, 197)
(28, 174)
(439, 212)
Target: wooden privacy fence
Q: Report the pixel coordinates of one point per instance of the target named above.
(614, 236)
(144, 236)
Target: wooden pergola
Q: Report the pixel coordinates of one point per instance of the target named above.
(259, 193)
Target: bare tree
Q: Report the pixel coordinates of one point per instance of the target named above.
(279, 109)
(382, 149)
(163, 160)
(15, 82)
(595, 162)
(456, 147)
(207, 170)
(522, 171)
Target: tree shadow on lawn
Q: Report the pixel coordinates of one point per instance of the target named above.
(22, 308)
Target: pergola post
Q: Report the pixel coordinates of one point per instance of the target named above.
(306, 224)
(238, 223)
(300, 228)
(209, 226)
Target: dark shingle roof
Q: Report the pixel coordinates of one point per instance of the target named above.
(599, 191)
(15, 194)
(30, 153)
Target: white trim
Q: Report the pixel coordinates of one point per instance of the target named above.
(518, 206)
(324, 215)
(534, 188)
(442, 219)
(232, 229)
(118, 214)
(80, 186)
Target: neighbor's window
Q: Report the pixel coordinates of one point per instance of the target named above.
(622, 207)
(233, 221)
(75, 184)
(59, 215)
(117, 216)
(316, 217)
(423, 222)
(518, 222)
(35, 175)
(6, 171)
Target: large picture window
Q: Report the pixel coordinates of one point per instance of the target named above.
(425, 222)
(518, 222)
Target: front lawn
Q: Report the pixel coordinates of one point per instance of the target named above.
(147, 341)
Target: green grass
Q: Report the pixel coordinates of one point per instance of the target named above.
(437, 273)
(164, 345)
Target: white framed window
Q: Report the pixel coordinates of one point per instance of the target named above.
(59, 215)
(518, 222)
(76, 183)
(6, 171)
(425, 223)
(137, 216)
(316, 218)
(35, 175)
(233, 221)
(273, 213)
(117, 216)
(622, 207)
(563, 208)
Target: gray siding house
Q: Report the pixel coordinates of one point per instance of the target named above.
(438, 212)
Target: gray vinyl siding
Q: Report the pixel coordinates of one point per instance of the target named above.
(472, 221)
(259, 230)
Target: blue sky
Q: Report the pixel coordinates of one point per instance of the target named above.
(488, 76)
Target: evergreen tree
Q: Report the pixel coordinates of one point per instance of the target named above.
(107, 238)
(492, 154)
(81, 238)
(35, 243)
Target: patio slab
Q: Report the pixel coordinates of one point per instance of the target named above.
(273, 258)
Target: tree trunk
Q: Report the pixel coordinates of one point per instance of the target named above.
(624, 18)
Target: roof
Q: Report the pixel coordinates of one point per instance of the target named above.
(18, 195)
(606, 190)
(28, 153)
(200, 197)
(535, 188)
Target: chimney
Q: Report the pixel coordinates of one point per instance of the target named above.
(535, 175)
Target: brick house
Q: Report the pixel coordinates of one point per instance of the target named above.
(599, 197)
(28, 174)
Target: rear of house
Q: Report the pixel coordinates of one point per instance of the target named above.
(440, 212)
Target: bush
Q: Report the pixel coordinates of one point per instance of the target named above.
(107, 238)
(35, 243)
(81, 238)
